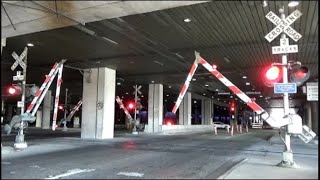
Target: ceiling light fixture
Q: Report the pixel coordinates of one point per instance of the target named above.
(226, 59)
(152, 81)
(293, 3)
(187, 20)
(118, 83)
(247, 83)
(217, 89)
(244, 77)
(264, 4)
(194, 79)
(30, 45)
(167, 95)
(206, 85)
(204, 94)
(127, 93)
(109, 40)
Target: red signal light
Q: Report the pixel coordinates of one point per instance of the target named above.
(60, 107)
(232, 108)
(273, 73)
(131, 105)
(299, 74)
(12, 90)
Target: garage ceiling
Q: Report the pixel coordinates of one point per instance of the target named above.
(159, 46)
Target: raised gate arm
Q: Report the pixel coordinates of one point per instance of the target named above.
(253, 105)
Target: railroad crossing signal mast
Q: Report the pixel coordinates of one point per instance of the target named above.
(291, 122)
(283, 28)
(29, 115)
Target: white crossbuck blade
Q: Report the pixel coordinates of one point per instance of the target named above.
(283, 26)
(19, 59)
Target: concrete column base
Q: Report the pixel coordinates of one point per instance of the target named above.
(20, 143)
(287, 160)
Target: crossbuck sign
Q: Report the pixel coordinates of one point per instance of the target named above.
(19, 59)
(283, 26)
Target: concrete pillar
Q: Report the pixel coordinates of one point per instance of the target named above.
(185, 110)
(98, 104)
(207, 109)
(46, 110)
(315, 116)
(39, 118)
(155, 108)
(76, 122)
(212, 112)
(3, 43)
(203, 122)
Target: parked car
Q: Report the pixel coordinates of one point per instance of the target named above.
(221, 125)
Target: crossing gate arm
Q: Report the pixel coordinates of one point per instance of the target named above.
(253, 105)
(74, 110)
(56, 101)
(34, 105)
(119, 101)
(186, 84)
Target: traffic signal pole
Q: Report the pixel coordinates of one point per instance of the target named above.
(287, 158)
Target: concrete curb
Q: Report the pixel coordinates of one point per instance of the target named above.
(223, 176)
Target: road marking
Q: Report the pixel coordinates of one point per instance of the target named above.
(70, 172)
(35, 166)
(135, 174)
(5, 162)
(237, 135)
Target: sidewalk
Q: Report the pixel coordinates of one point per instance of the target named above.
(265, 167)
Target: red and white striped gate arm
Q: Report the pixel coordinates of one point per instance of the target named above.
(254, 106)
(56, 101)
(75, 109)
(43, 89)
(36, 97)
(124, 108)
(186, 85)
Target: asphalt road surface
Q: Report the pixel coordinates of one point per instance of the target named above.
(127, 156)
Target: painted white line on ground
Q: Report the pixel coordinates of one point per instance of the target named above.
(135, 174)
(5, 162)
(34, 166)
(70, 172)
(237, 135)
